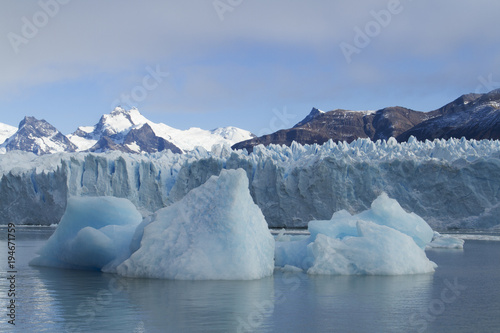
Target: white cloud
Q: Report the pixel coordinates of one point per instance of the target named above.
(120, 38)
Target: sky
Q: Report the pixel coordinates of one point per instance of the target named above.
(259, 65)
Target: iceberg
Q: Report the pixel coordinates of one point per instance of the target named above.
(216, 232)
(445, 242)
(94, 233)
(384, 240)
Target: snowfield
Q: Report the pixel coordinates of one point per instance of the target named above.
(449, 183)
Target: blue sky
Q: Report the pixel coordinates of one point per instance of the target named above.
(255, 64)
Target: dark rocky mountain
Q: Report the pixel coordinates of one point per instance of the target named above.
(475, 116)
(38, 137)
(471, 116)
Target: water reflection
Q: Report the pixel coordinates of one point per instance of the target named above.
(55, 300)
(347, 303)
(91, 301)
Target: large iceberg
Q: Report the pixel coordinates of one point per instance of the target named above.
(215, 232)
(384, 240)
(94, 232)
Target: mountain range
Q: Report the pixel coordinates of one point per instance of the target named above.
(124, 130)
(473, 116)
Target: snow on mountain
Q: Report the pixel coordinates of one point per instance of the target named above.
(38, 137)
(6, 131)
(449, 183)
(120, 122)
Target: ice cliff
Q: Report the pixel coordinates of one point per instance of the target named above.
(449, 183)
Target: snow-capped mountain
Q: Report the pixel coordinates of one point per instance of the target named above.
(38, 137)
(116, 128)
(6, 131)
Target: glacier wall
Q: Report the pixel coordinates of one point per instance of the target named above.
(451, 184)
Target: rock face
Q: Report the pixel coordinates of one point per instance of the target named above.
(38, 137)
(138, 140)
(474, 116)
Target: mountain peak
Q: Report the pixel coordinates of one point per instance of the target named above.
(119, 123)
(39, 137)
(119, 110)
(29, 120)
(315, 112)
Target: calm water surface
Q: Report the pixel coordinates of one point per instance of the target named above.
(463, 295)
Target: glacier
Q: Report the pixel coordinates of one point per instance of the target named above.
(215, 232)
(449, 183)
(369, 243)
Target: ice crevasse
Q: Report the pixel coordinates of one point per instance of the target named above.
(217, 232)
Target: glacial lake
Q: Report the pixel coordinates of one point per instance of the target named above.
(463, 295)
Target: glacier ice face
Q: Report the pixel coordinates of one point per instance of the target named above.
(215, 232)
(384, 240)
(95, 232)
(449, 183)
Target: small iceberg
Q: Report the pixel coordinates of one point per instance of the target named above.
(445, 242)
(384, 240)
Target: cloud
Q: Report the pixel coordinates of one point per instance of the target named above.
(261, 50)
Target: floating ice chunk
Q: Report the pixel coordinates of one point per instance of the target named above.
(289, 269)
(387, 211)
(344, 225)
(93, 232)
(293, 253)
(384, 240)
(378, 250)
(215, 232)
(445, 242)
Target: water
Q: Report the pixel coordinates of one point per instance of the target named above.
(463, 295)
